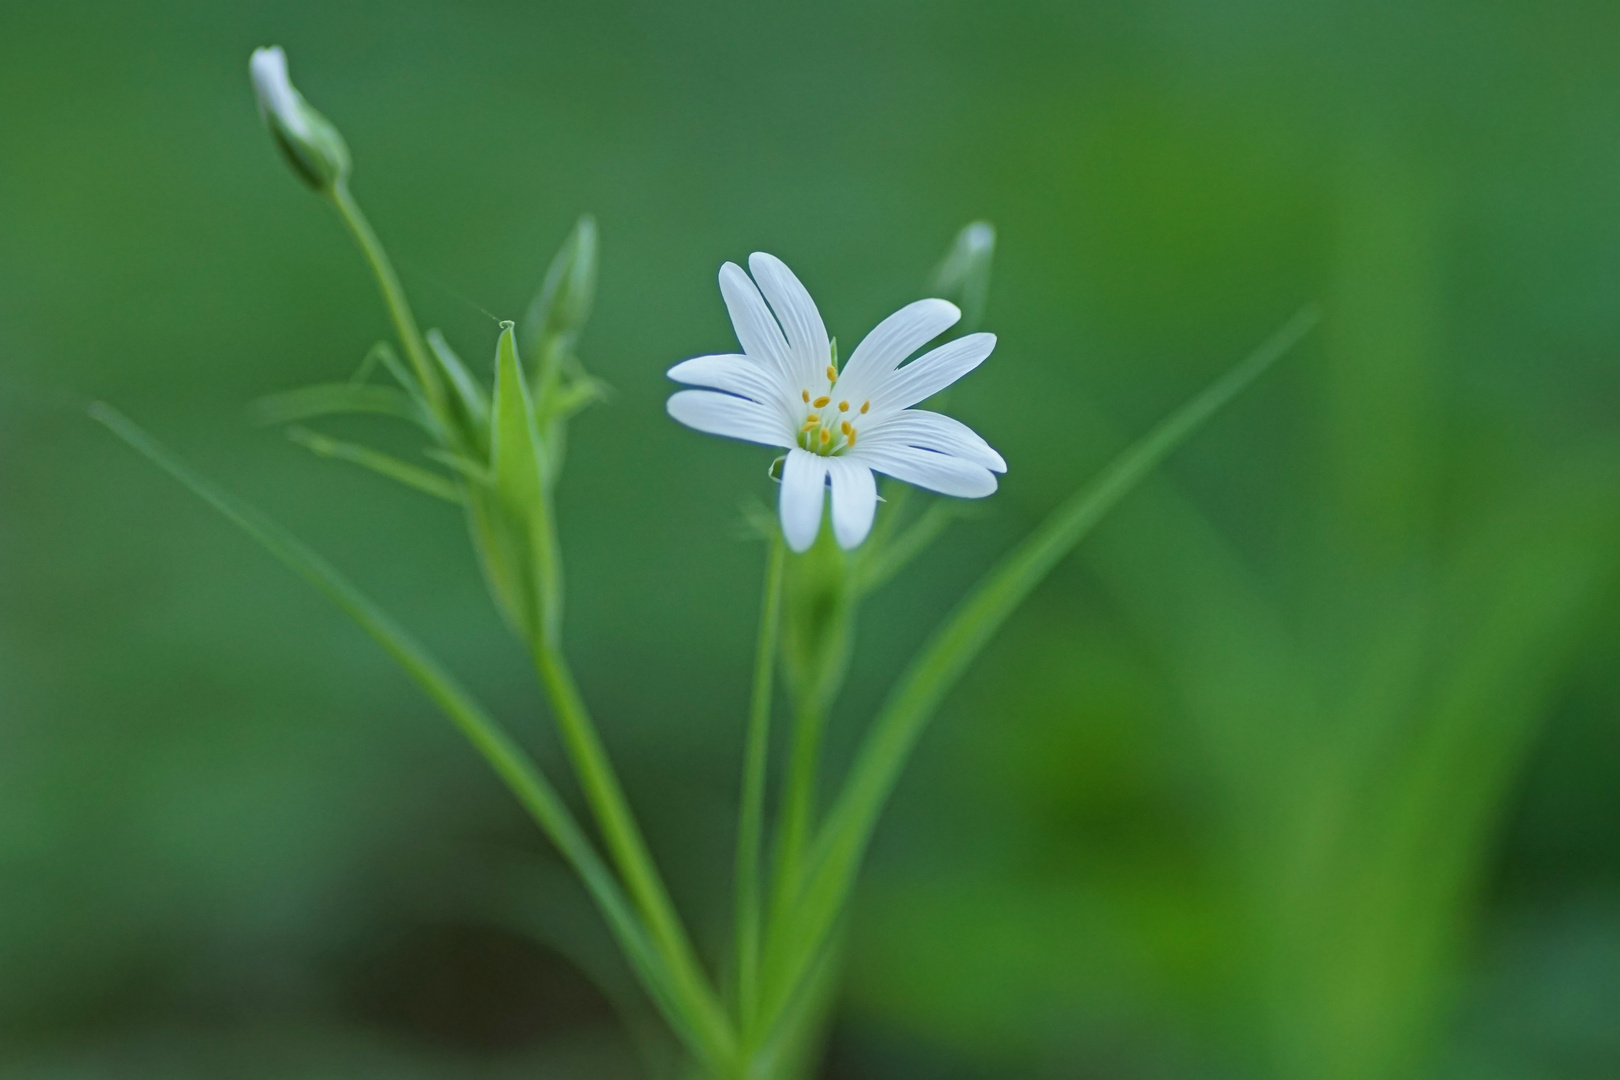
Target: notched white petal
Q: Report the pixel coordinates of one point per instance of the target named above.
(796, 311)
(723, 414)
(756, 327)
(804, 483)
(927, 469)
(897, 337)
(935, 431)
(932, 372)
(854, 501)
(735, 374)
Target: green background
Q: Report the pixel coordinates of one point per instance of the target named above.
(1306, 765)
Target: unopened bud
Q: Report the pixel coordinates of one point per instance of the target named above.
(963, 277)
(308, 140)
(558, 314)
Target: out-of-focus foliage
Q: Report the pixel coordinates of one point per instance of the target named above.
(1308, 767)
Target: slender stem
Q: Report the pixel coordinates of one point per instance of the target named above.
(798, 801)
(399, 308)
(629, 849)
(487, 737)
(751, 815)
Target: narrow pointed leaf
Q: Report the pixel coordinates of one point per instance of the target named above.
(510, 763)
(385, 464)
(329, 399)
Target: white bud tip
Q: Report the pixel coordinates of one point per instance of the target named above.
(978, 236)
(274, 88)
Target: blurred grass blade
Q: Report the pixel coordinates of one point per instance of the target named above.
(888, 744)
(328, 399)
(393, 468)
(526, 782)
(895, 553)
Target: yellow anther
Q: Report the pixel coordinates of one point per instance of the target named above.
(843, 406)
(852, 436)
(826, 436)
(832, 373)
(864, 406)
(811, 421)
(845, 428)
(806, 395)
(821, 401)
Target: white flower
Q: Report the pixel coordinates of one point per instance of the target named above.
(311, 144)
(837, 426)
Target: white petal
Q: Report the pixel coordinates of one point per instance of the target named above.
(806, 333)
(854, 501)
(733, 417)
(804, 479)
(756, 329)
(932, 372)
(894, 339)
(933, 431)
(275, 90)
(735, 374)
(936, 472)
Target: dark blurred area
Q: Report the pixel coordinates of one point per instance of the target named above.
(1307, 765)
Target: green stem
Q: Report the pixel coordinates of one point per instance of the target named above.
(751, 815)
(399, 308)
(842, 843)
(531, 788)
(798, 802)
(629, 849)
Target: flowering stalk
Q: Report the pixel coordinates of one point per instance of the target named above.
(838, 425)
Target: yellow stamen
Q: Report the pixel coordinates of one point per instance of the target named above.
(843, 406)
(811, 421)
(826, 436)
(852, 436)
(864, 406)
(806, 396)
(832, 373)
(821, 401)
(845, 428)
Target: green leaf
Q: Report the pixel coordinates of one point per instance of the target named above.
(393, 468)
(329, 399)
(840, 846)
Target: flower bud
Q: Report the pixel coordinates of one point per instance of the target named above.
(963, 277)
(311, 144)
(557, 315)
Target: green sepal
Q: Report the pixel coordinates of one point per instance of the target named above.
(512, 516)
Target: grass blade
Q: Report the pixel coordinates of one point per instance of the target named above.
(842, 842)
(513, 766)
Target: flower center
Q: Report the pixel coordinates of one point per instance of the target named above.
(829, 421)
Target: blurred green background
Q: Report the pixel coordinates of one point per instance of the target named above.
(1307, 765)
